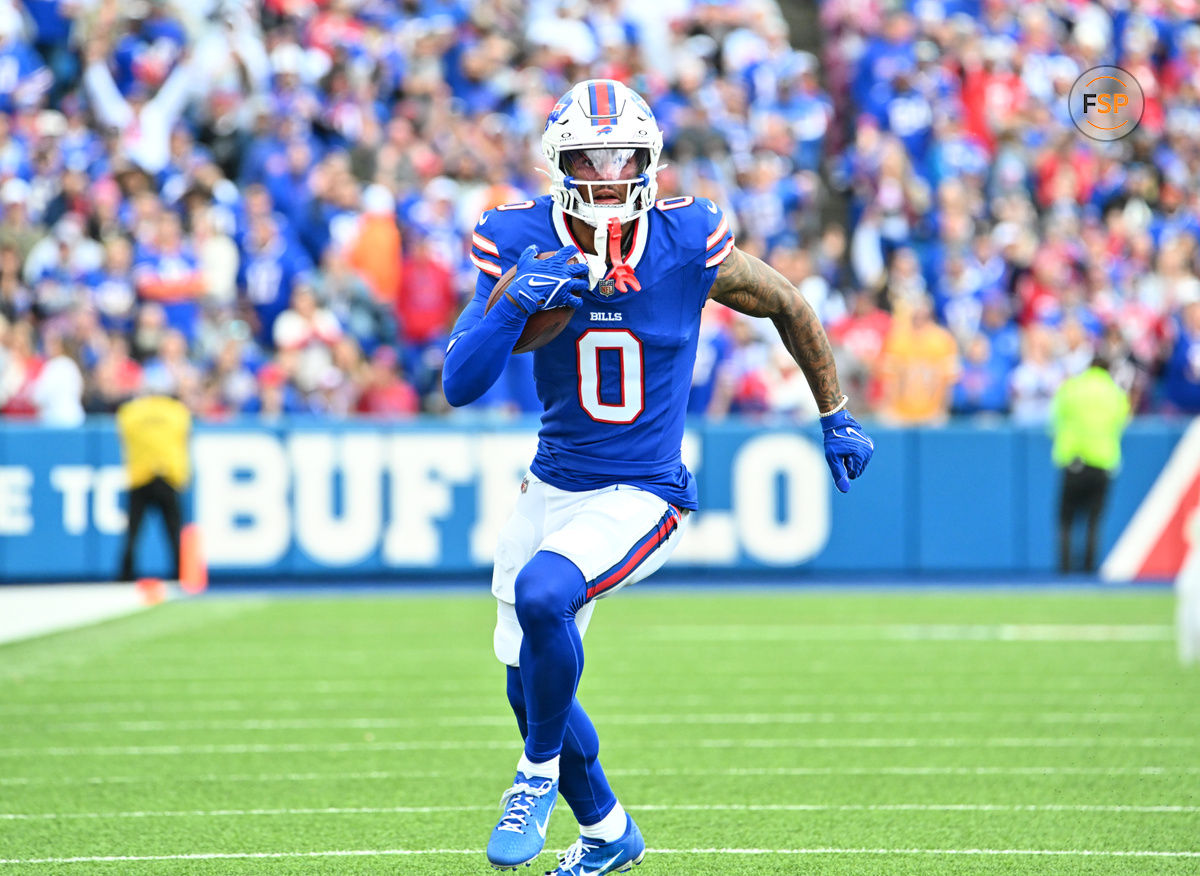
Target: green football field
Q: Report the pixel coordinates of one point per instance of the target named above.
(748, 732)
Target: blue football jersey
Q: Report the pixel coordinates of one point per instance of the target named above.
(614, 384)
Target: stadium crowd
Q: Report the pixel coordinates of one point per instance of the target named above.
(265, 207)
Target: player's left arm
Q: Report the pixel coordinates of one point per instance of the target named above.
(750, 286)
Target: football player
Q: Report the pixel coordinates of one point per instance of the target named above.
(607, 495)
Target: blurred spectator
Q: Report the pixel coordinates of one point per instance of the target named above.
(111, 287)
(28, 79)
(57, 262)
(310, 332)
(428, 302)
(920, 365)
(386, 393)
(375, 249)
(710, 390)
(858, 341)
(270, 266)
(982, 386)
(276, 394)
(21, 365)
(1036, 378)
(217, 257)
(143, 118)
(16, 228)
(115, 379)
(57, 391)
(745, 387)
(167, 271)
(232, 379)
(1182, 377)
(1002, 333)
(170, 371)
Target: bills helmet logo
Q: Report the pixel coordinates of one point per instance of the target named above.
(559, 108)
(641, 104)
(607, 129)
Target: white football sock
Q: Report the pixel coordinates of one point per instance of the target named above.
(610, 828)
(546, 770)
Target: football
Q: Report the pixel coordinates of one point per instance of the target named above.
(542, 327)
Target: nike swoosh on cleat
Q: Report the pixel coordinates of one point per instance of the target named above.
(602, 870)
(541, 827)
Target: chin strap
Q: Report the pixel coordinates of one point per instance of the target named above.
(621, 273)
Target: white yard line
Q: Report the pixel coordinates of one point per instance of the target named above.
(372, 853)
(452, 745)
(663, 807)
(393, 775)
(737, 719)
(1137, 702)
(911, 632)
(898, 682)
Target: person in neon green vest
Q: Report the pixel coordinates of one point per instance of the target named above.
(1088, 417)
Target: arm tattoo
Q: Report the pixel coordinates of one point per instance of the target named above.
(749, 286)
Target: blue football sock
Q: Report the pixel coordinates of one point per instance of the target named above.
(581, 782)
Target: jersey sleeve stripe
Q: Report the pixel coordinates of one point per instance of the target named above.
(486, 266)
(716, 236)
(484, 244)
(720, 256)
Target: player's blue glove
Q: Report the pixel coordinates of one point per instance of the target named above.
(847, 447)
(542, 284)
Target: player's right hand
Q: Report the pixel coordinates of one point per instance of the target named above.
(543, 284)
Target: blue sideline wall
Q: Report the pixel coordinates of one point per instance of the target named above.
(310, 499)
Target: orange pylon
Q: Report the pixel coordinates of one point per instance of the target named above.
(193, 571)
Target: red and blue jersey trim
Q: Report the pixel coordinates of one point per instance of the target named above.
(719, 243)
(603, 103)
(637, 555)
(485, 255)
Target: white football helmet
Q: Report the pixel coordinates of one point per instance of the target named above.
(604, 123)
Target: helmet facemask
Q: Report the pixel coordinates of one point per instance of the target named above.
(606, 182)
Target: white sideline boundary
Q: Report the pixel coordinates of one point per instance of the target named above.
(37, 609)
(374, 853)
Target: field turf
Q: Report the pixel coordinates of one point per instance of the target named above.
(749, 732)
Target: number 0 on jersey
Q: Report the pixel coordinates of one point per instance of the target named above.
(633, 394)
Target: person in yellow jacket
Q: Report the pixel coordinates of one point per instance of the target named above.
(154, 432)
(1088, 416)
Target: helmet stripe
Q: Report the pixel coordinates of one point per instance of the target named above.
(604, 104)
